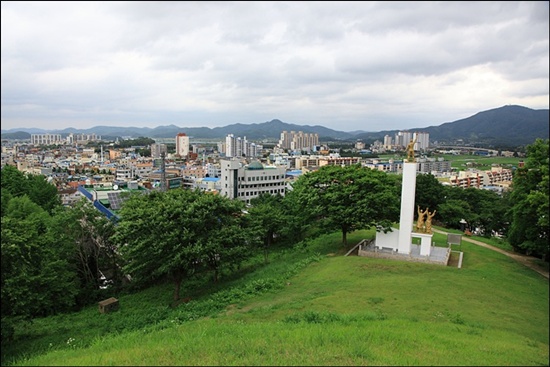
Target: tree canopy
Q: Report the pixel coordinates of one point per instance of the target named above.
(348, 198)
(528, 230)
(178, 233)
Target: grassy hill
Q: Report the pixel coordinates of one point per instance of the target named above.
(313, 306)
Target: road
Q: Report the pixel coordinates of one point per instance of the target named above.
(526, 260)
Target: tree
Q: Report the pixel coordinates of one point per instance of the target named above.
(430, 193)
(43, 192)
(14, 181)
(84, 234)
(36, 279)
(348, 198)
(175, 234)
(35, 187)
(528, 231)
(267, 217)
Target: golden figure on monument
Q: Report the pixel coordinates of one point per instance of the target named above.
(420, 220)
(429, 221)
(410, 149)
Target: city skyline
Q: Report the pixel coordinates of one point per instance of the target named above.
(346, 66)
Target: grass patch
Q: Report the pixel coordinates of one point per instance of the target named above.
(313, 306)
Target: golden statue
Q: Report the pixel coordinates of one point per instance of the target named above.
(420, 220)
(410, 149)
(429, 221)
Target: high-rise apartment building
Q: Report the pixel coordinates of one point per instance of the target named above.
(157, 149)
(182, 145)
(298, 140)
(46, 139)
(422, 140)
(240, 147)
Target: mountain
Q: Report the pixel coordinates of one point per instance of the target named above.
(510, 126)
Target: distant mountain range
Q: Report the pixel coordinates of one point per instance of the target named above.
(507, 126)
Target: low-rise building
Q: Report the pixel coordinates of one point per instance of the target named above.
(247, 181)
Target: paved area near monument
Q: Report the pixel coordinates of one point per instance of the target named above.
(438, 255)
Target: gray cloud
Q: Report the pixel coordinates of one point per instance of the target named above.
(344, 65)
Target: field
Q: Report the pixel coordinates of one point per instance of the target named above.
(465, 161)
(313, 306)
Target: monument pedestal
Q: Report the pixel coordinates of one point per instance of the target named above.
(425, 242)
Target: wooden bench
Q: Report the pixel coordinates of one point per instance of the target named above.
(108, 305)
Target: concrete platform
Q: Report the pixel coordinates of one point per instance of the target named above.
(438, 255)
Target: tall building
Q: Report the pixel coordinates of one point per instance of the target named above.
(388, 142)
(46, 139)
(402, 138)
(157, 149)
(233, 146)
(298, 140)
(182, 145)
(240, 147)
(422, 140)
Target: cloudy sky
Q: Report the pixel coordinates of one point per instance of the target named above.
(345, 65)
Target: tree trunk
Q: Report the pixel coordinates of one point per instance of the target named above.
(177, 286)
(344, 236)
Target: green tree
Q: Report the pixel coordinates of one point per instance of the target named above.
(267, 218)
(348, 198)
(487, 210)
(452, 211)
(430, 193)
(227, 235)
(43, 192)
(84, 235)
(36, 187)
(14, 181)
(528, 231)
(175, 234)
(36, 279)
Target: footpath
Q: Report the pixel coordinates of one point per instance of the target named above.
(526, 260)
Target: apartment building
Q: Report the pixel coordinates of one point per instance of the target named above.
(322, 160)
(158, 149)
(235, 146)
(46, 139)
(466, 179)
(298, 140)
(497, 176)
(182, 145)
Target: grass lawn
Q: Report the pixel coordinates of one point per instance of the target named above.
(313, 306)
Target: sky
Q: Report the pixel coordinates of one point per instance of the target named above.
(348, 66)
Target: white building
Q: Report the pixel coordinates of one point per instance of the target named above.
(245, 182)
(46, 139)
(422, 140)
(236, 146)
(182, 145)
(298, 140)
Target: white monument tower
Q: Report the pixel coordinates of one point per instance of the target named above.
(400, 240)
(406, 218)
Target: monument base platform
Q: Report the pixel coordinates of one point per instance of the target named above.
(438, 255)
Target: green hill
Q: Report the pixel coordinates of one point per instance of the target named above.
(313, 306)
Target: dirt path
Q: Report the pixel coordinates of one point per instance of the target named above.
(528, 261)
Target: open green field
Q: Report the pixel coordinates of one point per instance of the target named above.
(462, 162)
(313, 306)
(465, 161)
